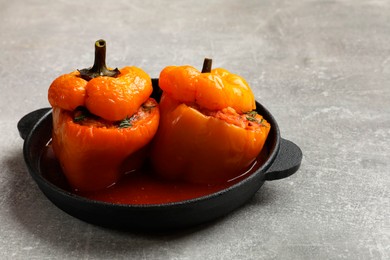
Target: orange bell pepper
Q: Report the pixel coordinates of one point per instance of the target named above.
(208, 131)
(102, 122)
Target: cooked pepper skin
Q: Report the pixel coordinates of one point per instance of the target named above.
(68, 91)
(215, 90)
(200, 148)
(92, 156)
(112, 98)
(115, 98)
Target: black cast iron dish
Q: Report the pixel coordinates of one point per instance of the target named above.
(283, 159)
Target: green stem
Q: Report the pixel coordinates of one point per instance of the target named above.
(207, 63)
(99, 67)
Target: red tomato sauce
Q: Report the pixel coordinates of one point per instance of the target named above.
(140, 187)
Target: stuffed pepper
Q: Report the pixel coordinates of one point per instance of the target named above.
(103, 120)
(209, 130)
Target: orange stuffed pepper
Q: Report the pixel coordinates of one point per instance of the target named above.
(102, 122)
(209, 130)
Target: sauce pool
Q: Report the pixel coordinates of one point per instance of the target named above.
(139, 187)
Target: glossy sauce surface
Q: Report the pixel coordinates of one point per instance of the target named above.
(140, 187)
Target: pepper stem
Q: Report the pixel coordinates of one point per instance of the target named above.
(99, 67)
(207, 63)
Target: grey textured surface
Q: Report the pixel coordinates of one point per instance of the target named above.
(321, 67)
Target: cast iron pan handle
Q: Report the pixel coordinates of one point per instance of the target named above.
(287, 161)
(27, 122)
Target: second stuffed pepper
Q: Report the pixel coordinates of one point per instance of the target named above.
(209, 130)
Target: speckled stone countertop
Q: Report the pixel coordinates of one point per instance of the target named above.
(321, 67)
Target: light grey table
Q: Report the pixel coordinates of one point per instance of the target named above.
(321, 67)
